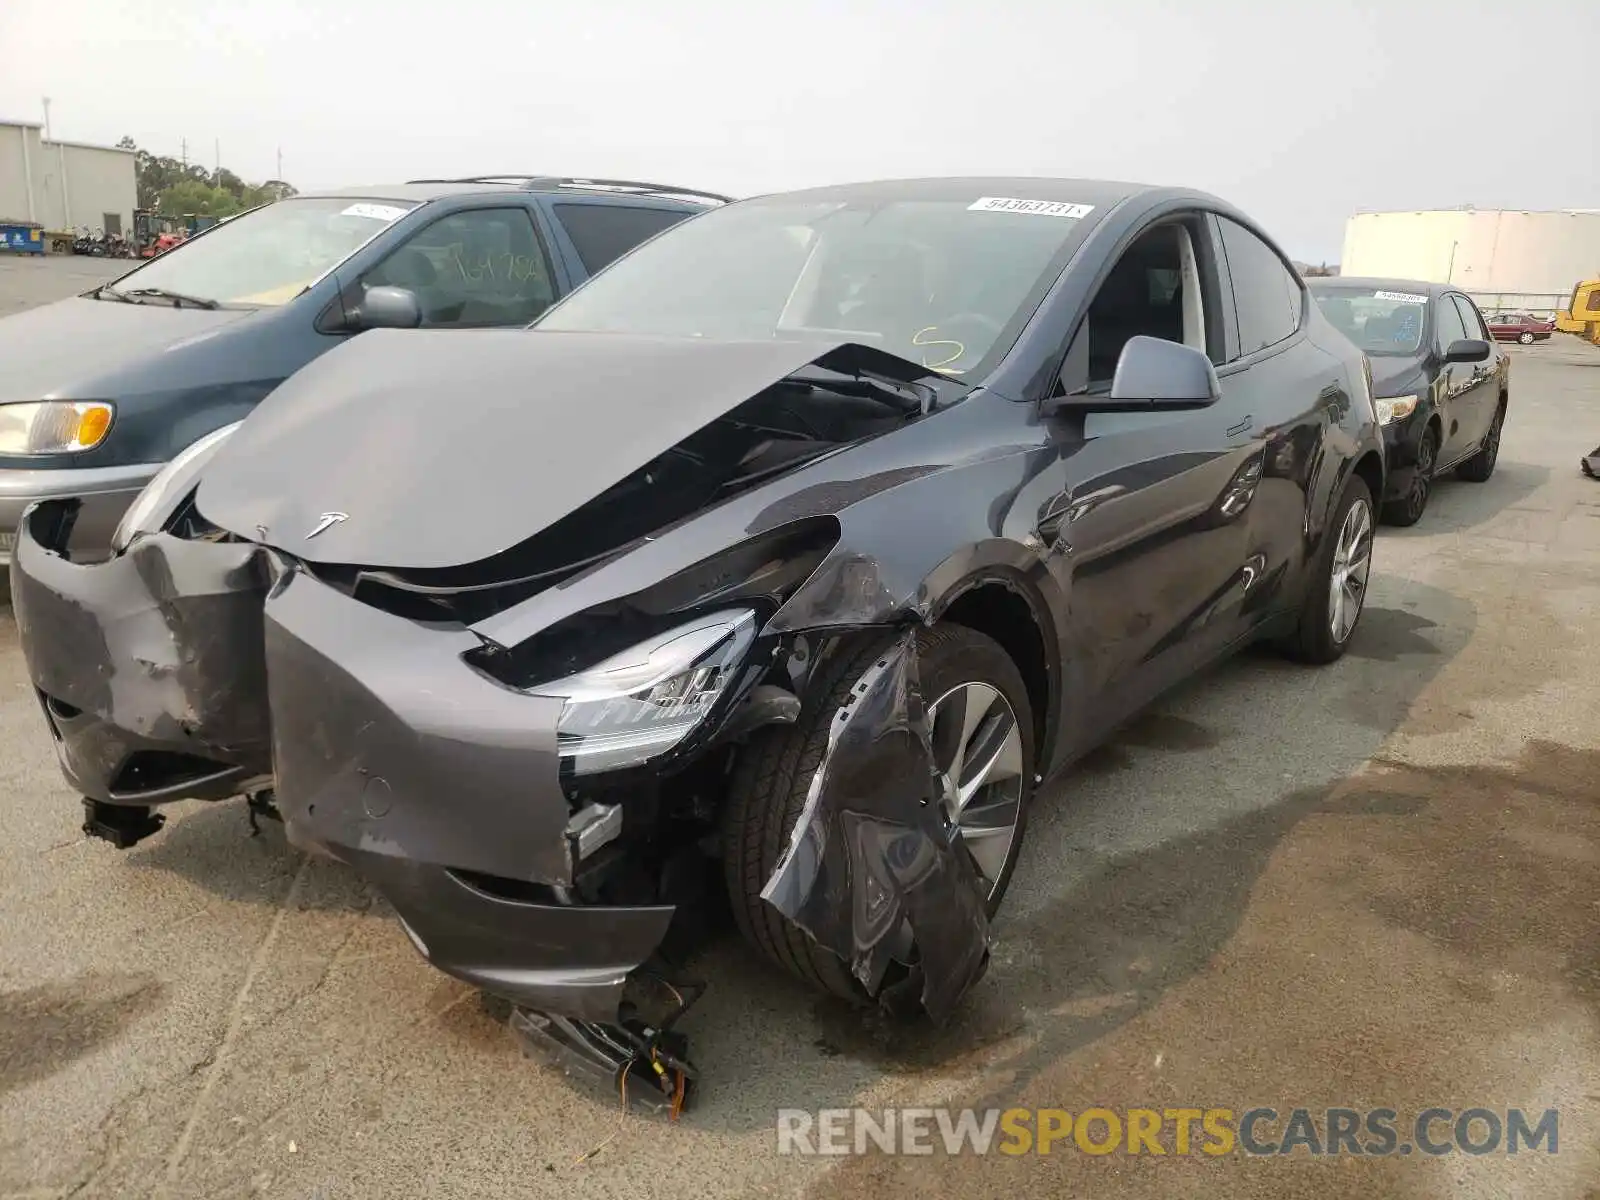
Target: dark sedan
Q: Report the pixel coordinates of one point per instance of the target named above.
(800, 546)
(1519, 327)
(1442, 385)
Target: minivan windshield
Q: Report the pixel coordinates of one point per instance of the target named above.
(268, 256)
(944, 283)
(1378, 321)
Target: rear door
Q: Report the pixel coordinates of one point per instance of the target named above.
(1290, 394)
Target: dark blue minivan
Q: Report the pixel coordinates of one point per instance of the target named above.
(97, 392)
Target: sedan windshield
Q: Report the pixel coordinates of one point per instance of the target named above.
(266, 257)
(1378, 322)
(944, 283)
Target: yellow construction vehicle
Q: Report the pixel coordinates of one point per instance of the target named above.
(1582, 315)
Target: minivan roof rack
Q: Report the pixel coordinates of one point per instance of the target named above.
(553, 183)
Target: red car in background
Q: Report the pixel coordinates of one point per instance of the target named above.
(1519, 327)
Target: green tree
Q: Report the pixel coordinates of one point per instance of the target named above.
(198, 197)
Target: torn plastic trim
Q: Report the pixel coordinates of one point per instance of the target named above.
(149, 664)
(873, 871)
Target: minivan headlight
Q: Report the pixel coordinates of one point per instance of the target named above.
(152, 508)
(642, 702)
(54, 426)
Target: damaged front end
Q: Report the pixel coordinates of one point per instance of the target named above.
(149, 667)
(527, 754)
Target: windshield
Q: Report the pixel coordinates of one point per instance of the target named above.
(1378, 322)
(268, 256)
(944, 283)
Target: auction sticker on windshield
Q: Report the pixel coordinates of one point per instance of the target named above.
(378, 212)
(1037, 208)
(1400, 297)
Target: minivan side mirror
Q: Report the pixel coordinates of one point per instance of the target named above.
(1152, 375)
(386, 307)
(1467, 350)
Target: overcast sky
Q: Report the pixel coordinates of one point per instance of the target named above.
(1301, 113)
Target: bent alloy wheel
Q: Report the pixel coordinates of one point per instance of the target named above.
(1336, 588)
(982, 737)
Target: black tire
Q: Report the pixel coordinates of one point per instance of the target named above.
(1409, 508)
(1525, 338)
(1313, 640)
(770, 780)
(1480, 466)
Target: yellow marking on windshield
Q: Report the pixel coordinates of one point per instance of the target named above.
(277, 295)
(943, 364)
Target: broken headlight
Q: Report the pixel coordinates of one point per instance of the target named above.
(154, 506)
(643, 701)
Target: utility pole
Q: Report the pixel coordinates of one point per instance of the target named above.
(47, 118)
(183, 152)
(219, 155)
(279, 175)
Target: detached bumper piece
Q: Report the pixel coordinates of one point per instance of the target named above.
(647, 1068)
(123, 825)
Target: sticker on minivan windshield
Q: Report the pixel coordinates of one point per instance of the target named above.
(1400, 297)
(1037, 208)
(378, 212)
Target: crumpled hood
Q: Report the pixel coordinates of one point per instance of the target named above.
(74, 348)
(420, 449)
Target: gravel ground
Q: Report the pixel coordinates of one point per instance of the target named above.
(1368, 885)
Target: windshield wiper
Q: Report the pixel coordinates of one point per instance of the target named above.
(178, 298)
(106, 292)
(908, 398)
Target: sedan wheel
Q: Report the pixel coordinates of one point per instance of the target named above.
(977, 746)
(1408, 509)
(1352, 562)
(1525, 338)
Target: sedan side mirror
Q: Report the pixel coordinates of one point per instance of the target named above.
(386, 307)
(1467, 350)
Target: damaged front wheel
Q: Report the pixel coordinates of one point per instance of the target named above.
(982, 742)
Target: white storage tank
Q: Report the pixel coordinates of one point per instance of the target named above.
(1507, 261)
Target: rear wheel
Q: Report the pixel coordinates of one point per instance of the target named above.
(1409, 508)
(982, 725)
(1480, 466)
(1525, 338)
(1337, 590)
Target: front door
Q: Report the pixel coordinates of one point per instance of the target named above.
(1458, 383)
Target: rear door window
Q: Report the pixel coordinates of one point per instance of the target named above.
(603, 233)
(1266, 296)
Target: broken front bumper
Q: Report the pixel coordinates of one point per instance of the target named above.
(160, 671)
(148, 665)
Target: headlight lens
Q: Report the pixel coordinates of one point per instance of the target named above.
(53, 426)
(152, 507)
(1394, 408)
(642, 702)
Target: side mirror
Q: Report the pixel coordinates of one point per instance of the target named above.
(387, 308)
(1467, 350)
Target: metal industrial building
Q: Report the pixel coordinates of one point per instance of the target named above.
(1507, 261)
(60, 185)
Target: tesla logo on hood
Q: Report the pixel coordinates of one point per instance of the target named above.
(326, 522)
